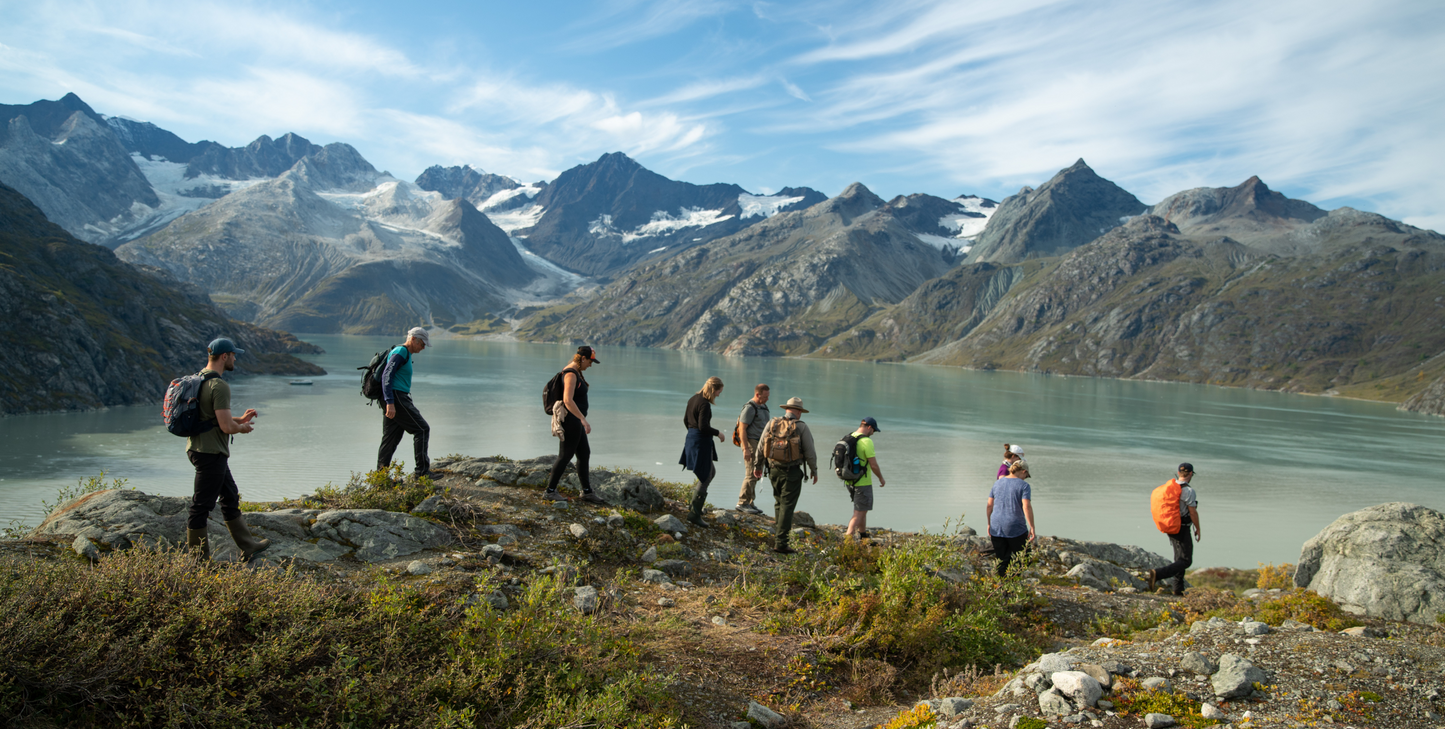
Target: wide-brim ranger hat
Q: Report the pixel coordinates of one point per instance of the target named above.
(222, 345)
(588, 352)
(795, 403)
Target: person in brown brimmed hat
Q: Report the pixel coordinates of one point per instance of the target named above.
(786, 448)
(574, 427)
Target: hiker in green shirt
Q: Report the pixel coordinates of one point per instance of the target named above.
(210, 453)
(862, 491)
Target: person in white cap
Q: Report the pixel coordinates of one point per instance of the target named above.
(1011, 453)
(401, 415)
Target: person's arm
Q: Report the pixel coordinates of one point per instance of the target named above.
(988, 516)
(569, 388)
(757, 462)
(1194, 519)
(810, 454)
(745, 419)
(393, 363)
(705, 421)
(873, 464)
(232, 426)
(1029, 516)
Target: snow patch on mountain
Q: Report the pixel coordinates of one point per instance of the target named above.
(177, 194)
(555, 281)
(516, 218)
(502, 197)
(663, 223)
(764, 205)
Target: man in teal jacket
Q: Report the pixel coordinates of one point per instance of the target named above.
(401, 413)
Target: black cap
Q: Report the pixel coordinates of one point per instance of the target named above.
(587, 352)
(1187, 467)
(870, 422)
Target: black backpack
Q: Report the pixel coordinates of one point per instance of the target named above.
(845, 460)
(371, 375)
(181, 408)
(554, 389)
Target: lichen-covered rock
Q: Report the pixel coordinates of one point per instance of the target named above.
(1236, 677)
(377, 535)
(629, 491)
(1386, 561)
(670, 524)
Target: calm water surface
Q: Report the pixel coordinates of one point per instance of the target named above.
(1274, 469)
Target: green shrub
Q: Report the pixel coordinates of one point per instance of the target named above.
(151, 639)
(388, 489)
(1130, 700)
(82, 487)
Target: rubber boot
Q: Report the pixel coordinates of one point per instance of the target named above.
(198, 539)
(250, 546)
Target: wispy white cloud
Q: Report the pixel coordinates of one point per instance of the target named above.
(623, 22)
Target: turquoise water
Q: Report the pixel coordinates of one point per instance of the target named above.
(1274, 469)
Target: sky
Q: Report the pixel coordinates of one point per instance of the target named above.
(1338, 103)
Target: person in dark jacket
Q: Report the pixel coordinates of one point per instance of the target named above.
(401, 415)
(575, 427)
(698, 452)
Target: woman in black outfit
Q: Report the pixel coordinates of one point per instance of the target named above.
(575, 427)
(698, 453)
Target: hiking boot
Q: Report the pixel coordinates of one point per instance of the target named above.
(863, 534)
(197, 539)
(784, 549)
(250, 546)
(591, 497)
(748, 509)
(552, 495)
(1151, 579)
(696, 520)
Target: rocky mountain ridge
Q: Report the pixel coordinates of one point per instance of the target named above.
(88, 330)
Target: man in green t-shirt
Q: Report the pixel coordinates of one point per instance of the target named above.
(862, 491)
(210, 453)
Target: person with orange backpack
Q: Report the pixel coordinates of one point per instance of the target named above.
(1175, 509)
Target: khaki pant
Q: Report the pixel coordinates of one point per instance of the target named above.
(787, 487)
(750, 482)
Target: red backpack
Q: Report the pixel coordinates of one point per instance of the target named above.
(1164, 503)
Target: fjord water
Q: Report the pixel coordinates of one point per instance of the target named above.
(1273, 469)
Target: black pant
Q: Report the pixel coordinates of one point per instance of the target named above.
(213, 481)
(1183, 557)
(787, 487)
(699, 496)
(574, 443)
(408, 420)
(1006, 547)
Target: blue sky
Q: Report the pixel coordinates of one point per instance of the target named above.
(1339, 103)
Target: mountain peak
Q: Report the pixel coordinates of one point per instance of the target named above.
(1074, 207)
(1249, 212)
(74, 103)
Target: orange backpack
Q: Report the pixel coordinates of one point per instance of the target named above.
(1164, 503)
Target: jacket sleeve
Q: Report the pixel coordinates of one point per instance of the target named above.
(810, 454)
(704, 419)
(394, 362)
(758, 460)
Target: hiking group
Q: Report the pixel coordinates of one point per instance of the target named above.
(199, 407)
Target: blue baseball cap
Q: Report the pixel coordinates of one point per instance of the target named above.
(870, 422)
(221, 346)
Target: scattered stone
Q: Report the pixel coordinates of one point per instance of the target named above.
(1197, 663)
(628, 491)
(1158, 721)
(655, 576)
(1077, 686)
(561, 505)
(1053, 702)
(85, 548)
(496, 599)
(666, 586)
(505, 530)
(1105, 705)
(577, 530)
(765, 717)
(723, 517)
(1254, 627)
(803, 519)
(1036, 682)
(1155, 683)
(615, 521)
(492, 551)
(1098, 673)
(952, 707)
(719, 621)
(650, 555)
(1051, 663)
(1236, 677)
(506, 540)
(1363, 631)
(666, 602)
(566, 574)
(1210, 711)
(418, 567)
(1007, 708)
(585, 600)
(1386, 561)
(674, 567)
(955, 575)
(670, 523)
(430, 505)
(1294, 626)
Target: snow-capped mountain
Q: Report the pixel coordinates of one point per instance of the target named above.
(949, 225)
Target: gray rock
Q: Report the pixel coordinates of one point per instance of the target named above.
(803, 519)
(674, 567)
(615, 521)
(430, 505)
(1036, 682)
(85, 548)
(666, 602)
(1363, 631)
(1078, 687)
(577, 530)
(953, 706)
(723, 517)
(741, 725)
(496, 599)
(670, 524)
(1123, 555)
(1236, 677)
(955, 575)
(1007, 708)
(469, 467)
(585, 599)
(506, 540)
(1210, 711)
(655, 576)
(503, 473)
(719, 621)
(629, 492)
(1051, 663)
(504, 529)
(1290, 625)
(1158, 721)
(1105, 576)
(1255, 627)
(1116, 668)
(765, 717)
(1155, 683)
(1098, 673)
(1105, 705)
(1386, 561)
(650, 555)
(1052, 702)
(1197, 663)
(418, 567)
(492, 551)
(566, 574)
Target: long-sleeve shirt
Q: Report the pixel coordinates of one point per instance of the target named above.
(699, 415)
(810, 454)
(396, 376)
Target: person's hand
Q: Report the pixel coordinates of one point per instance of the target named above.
(1032, 535)
(1197, 535)
(586, 426)
(390, 410)
(720, 438)
(246, 427)
(881, 482)
(757, 473)
(815, 478)
(248, 415)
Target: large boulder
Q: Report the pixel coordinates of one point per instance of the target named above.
(121, 519)
(1104, 576)
(1124, 555)
(629, 491)
(1386, 561)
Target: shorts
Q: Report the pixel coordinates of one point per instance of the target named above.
(862, 497)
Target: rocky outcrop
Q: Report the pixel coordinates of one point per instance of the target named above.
(124, 519)
(474, 186)
(1430, 400)
(1250, 213)
(624, 490)
(1386, 561)
(87, 330)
